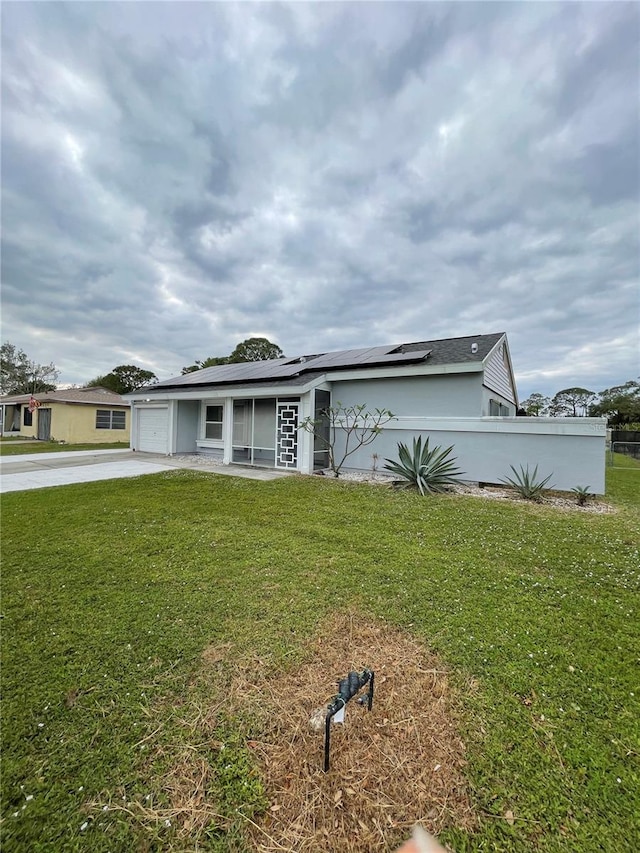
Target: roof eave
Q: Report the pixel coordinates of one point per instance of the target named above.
(242, 389)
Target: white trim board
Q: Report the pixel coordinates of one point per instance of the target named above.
(533, 426)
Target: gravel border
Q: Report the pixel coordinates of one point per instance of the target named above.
(594, 506)
(495, 493)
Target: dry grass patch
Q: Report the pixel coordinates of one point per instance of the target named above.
(401, 763)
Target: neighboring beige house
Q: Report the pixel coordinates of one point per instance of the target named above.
(75, 416)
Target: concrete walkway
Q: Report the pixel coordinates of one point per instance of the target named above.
(41, 470)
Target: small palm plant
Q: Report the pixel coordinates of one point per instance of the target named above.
(526, 483)
(582, 494)
(428, 469)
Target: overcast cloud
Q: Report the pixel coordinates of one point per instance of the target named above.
(177, 177)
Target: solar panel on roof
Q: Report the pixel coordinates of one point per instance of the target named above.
(241, 372)
(284, 368)
(347, 358)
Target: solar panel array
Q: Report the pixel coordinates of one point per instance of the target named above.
(284, 368)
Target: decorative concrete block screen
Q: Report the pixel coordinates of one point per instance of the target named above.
(572, 450)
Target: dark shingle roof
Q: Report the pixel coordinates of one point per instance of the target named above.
(301, 369)
(457, 350)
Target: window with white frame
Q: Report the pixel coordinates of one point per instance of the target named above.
(110, 419)
(213, 422)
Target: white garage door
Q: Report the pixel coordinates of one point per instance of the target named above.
(153, 430)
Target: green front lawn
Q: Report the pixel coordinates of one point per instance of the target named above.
(13, 449)
(112, 590)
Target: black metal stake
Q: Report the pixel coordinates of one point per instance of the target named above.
(347, 688)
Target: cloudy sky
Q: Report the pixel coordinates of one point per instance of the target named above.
(177, 177)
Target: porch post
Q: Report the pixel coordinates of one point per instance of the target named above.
(227, 430)
(305, 439)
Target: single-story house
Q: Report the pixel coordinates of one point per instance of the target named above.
(455, 391)
(250, 413)
(75, 416)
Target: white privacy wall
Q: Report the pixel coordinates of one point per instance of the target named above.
(572, 450)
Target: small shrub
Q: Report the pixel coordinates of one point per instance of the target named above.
(582, 494)
(526, 483)
(429, 470)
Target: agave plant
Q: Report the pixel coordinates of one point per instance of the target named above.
(526, 483)
(582, 494)
(428, 469)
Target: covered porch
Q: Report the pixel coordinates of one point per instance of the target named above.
(259, 430)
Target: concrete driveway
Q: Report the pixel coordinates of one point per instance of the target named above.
(40, 470)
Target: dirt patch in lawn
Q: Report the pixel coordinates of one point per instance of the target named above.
(401, 763)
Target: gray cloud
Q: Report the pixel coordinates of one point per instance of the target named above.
(179, 176)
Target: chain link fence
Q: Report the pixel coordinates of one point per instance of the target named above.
(628, 449)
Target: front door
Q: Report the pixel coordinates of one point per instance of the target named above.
(44, 424)
(287, 435)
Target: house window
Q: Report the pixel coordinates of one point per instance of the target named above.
(110, 419)
(28, 417)
(213, 422)
(497, 409)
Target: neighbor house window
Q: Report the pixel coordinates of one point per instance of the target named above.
(28, 417)
(213, 422)
(110, 419)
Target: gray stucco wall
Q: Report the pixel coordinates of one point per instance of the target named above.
(572, 450)
(454, 395)
(488, 395)
(187, 427)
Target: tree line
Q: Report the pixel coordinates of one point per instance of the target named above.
(620, 404)
(21, 375)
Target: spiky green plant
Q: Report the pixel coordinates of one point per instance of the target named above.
(526, 483)
(582, 494)
(428, 469)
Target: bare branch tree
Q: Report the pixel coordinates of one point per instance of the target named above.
(356, 424)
